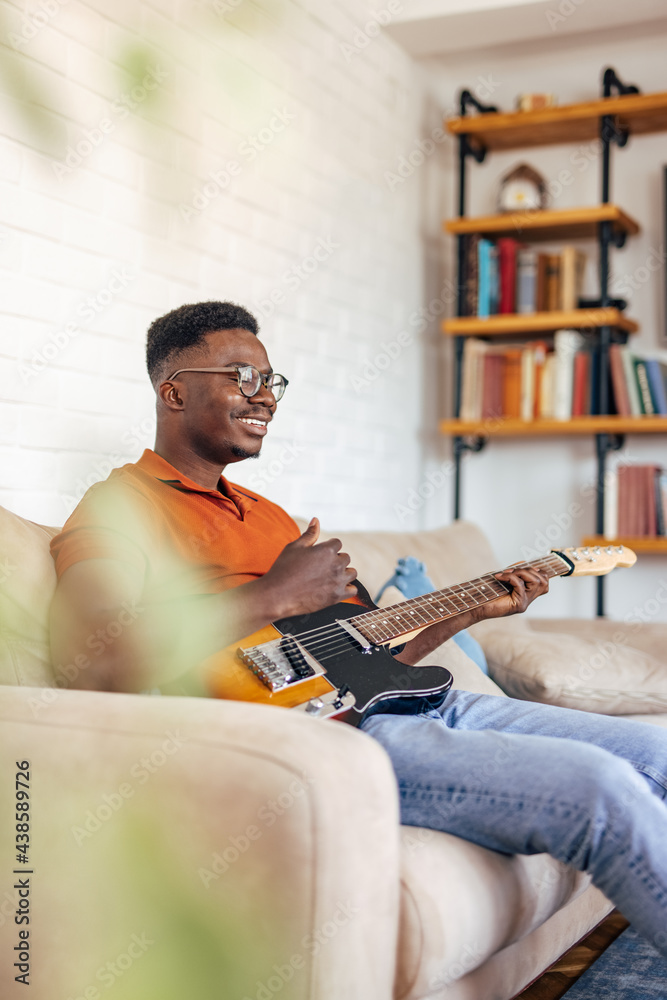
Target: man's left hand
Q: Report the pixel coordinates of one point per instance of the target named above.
(527, 584)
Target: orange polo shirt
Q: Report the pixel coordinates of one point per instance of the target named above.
(186, 539)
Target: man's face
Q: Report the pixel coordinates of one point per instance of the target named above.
(219, 423)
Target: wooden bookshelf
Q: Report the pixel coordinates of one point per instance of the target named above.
(503, 324)
(485, 131)
(565, 224)
(647, 545)
(513, 427)
(640, 113)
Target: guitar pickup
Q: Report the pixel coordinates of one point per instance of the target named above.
(296, 658)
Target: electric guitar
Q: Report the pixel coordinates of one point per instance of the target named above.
(336, 662)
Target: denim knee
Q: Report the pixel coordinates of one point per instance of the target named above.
(604, 792)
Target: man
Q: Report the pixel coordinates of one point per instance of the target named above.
(185, 556)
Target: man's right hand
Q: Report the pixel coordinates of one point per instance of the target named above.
(308, 576)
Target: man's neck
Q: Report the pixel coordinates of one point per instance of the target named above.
(195, 468)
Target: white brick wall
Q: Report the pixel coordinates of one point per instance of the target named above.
(75, 397)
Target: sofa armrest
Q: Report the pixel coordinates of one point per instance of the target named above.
(276, 836)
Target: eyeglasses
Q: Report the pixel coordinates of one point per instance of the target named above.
(250, 379)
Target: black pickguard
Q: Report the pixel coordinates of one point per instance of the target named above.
(372, 677)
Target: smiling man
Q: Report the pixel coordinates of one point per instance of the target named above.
(167, 561)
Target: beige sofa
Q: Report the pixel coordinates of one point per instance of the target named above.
(184, 846)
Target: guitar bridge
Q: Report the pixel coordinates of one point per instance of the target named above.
(280, 663)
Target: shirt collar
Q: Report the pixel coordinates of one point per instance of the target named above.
(159, 468)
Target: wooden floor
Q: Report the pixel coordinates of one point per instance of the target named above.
(557, 980)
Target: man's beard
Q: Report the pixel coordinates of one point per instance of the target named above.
(242, 453)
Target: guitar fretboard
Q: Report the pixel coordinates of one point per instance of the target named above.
(388, 623)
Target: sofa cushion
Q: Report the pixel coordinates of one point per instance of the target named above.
(27, 584)
(595, 666)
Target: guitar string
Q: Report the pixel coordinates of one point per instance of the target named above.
(331, 639)
(424, 603)
(324, 650)
(333, 630)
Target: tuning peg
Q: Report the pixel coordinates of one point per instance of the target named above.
(592, 559)
(619, 549)
(609, 550)
(575, 554)
(596, 550)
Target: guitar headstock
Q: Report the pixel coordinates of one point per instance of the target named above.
(597, 560)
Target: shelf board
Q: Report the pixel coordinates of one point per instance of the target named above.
(558, 319)
(513, 427)
(640, 113)
(641, 543)
(570, 223)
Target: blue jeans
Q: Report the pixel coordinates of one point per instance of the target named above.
(523, 778)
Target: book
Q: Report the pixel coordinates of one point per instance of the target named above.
(507, 253)
(566, 345)
(526, 280)
(471, 265)
(572, 268)
(494, 280)
(610, 527)
(656, 385)
(541, 293)
(553, 282)
(539, 348)
(471, 406)
(619, 387)
(645, 398)
(547, 385)
(492, 385)
(512, 382)
(527, 396)
(648, 500)
(627, 502)
(484, 280)
(661, 501)
(631, 382)
(642, 506)
(581, 387)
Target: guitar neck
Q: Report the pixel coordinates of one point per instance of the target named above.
(385, 624)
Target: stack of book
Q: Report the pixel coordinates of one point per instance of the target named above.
(508, 277)
(639, 384)
(529, 381)
(635, 502)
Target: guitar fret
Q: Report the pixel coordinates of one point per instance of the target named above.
(382, 625)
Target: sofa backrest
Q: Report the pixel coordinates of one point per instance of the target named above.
(453, 554)
(27, 585)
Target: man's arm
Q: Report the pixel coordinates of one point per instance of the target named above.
(527, 584)
(105, 637)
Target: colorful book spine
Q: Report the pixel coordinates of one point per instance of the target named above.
(566, 345)
(610, 528)
(643, 387)
(631, 382)
(484, 287)
(619, 387)
(526, 269)
(657, 385)
(507, 252)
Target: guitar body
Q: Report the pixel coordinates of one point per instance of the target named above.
(371, 676)
(336, 662)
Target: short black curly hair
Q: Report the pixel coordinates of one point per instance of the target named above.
(186, 327)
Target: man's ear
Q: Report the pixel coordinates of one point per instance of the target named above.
(170, 396)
